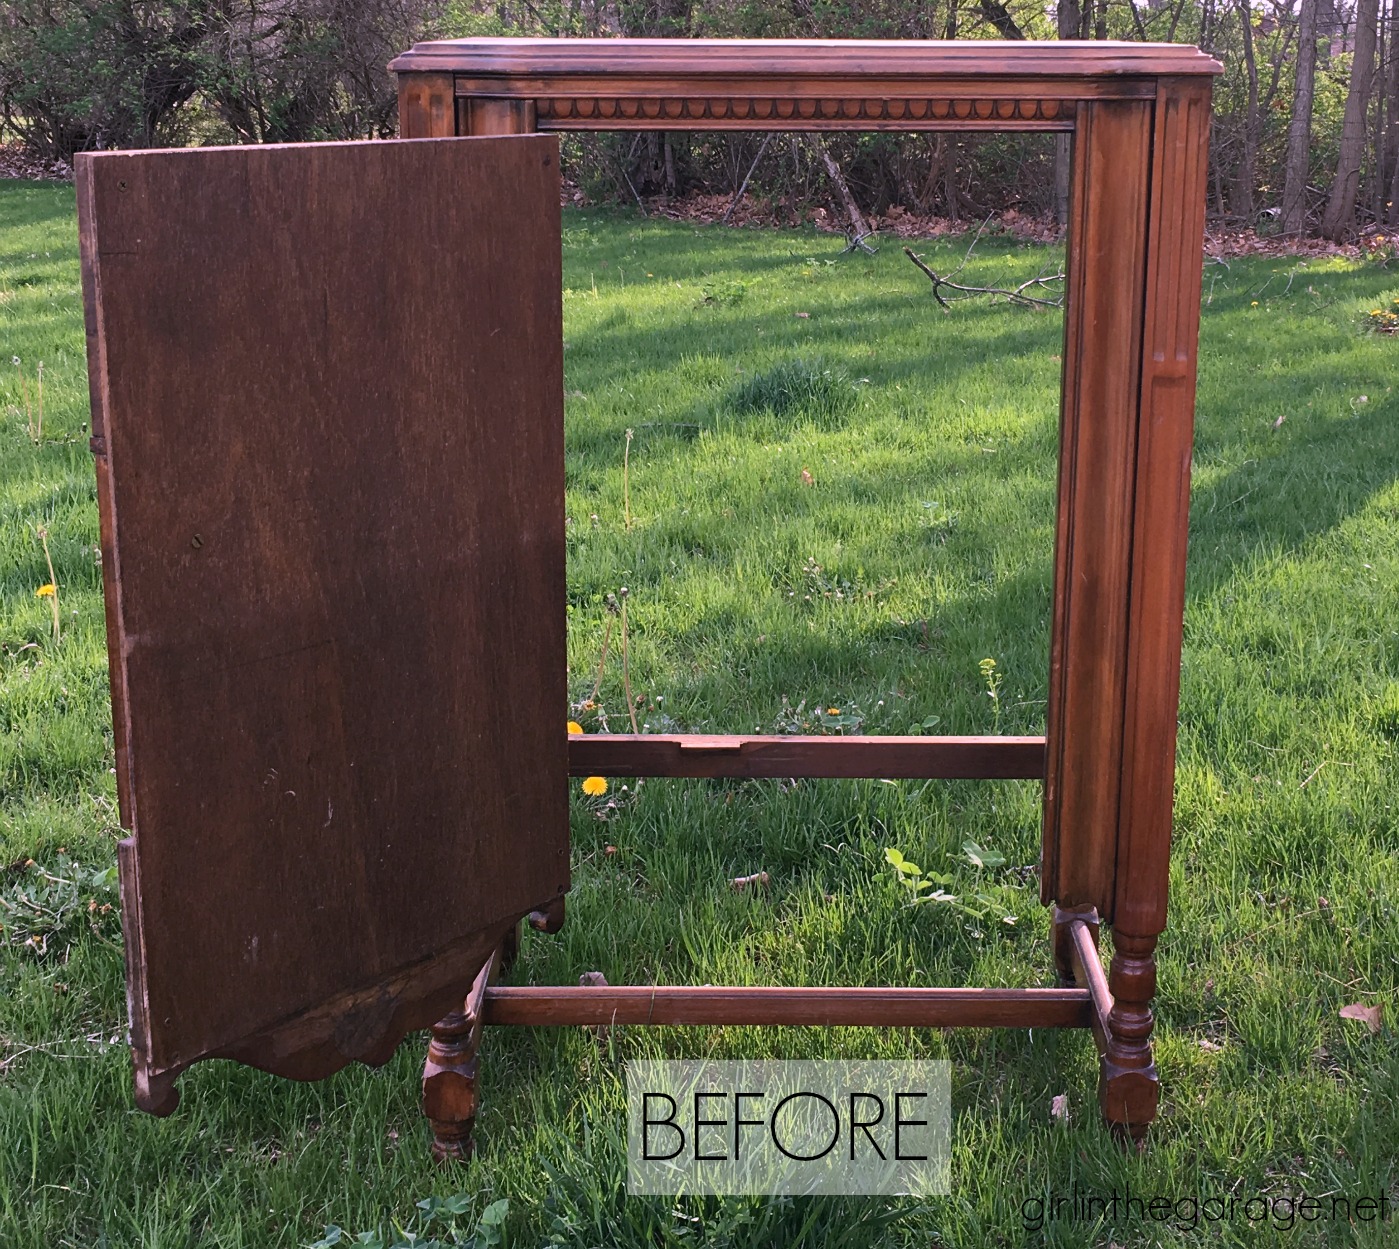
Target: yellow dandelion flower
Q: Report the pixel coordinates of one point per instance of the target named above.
(1254, 304)
(833, 711)
(46, 591)
(574, 728)
(595, 786)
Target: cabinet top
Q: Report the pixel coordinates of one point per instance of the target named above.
(845, 59)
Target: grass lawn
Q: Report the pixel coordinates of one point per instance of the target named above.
(837, 502)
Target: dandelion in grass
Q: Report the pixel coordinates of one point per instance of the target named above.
(49, 589)
(595, 786)
(833, 711)
(574, 728)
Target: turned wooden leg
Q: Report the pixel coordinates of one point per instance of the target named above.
(1128, 1088)
(548, 918)
(449, 1075)
(1063, 939)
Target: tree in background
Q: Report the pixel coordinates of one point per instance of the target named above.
(80, 74)
(84, 74)
(1339, 217)
(1299, 134)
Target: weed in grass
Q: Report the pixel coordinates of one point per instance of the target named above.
(1385, 318)
(626, 482)
(797, 388)
(44, 909)
(33, 418)
(436, 1226)
(723, 292)
(993, 678)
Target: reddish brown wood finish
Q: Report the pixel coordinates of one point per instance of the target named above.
(857, 1007)
(889, 757)
(698, 84)
(427, 107)
(1139, 115)
(336, 717)
(1093, 553)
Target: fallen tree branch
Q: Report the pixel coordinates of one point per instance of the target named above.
(859, 228)
(1015, 294)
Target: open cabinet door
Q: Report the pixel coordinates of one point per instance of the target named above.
(327, 413)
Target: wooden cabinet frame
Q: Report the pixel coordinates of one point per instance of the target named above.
(1139, 117)
(297, 378)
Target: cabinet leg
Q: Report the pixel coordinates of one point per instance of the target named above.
(449, 1075)
(549, 918)
(1128, 1088)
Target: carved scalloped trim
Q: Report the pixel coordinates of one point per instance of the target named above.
(564, 109)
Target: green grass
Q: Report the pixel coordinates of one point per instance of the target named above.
(847, 509)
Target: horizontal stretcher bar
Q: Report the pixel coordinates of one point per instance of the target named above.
(824, 1007)
(944, 758)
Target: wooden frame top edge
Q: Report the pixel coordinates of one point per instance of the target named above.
(871, 60)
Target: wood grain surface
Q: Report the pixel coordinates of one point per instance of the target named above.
(327, 415)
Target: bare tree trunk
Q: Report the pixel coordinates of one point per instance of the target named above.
(1070, 21)
(1393, 217)
(1299, 134)
(1340, 208)
(1244, 180)
(995, 12)
(1391, 214)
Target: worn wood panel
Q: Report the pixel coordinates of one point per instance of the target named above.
(1093, 543)
(327, 412)
(618, 754)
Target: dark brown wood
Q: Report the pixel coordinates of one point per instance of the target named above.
(1128, 1084)
(548, 919)
(449, 1074)
(853, 1007)
(1063, 939)
(851, 757)
(1087, 968)
(315, 617)
(1093, 549)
